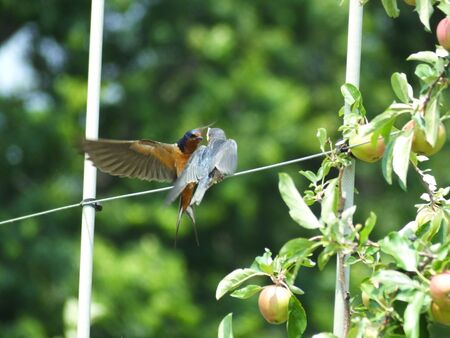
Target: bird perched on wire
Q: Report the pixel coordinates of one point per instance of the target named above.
(148, 160)
(207, 166)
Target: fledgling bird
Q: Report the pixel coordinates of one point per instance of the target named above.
(207, 166)
(148, 160)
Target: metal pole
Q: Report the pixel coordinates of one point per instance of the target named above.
(341, 304)
(90, 173)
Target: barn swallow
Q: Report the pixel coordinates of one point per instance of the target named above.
(148, 160)
(207, 166)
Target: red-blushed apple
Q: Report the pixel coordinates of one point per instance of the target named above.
(273, 303)
(443, 33)
(366, 152)
(440, 315)
(420, 144)
(440, 290)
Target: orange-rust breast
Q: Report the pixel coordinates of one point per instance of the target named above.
(180, 161)
(186, 196)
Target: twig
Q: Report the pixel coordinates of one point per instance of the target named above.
(432, 86)
(426, 185)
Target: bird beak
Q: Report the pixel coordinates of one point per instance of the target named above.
(202, 129)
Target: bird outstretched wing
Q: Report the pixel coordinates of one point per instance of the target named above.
(143, 159)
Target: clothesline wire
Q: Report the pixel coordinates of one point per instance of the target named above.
(96, 202)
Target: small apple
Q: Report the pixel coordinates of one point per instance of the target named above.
(410, 2)
(440, 290)
(366, 152)
(420, 144)
(440, 315)
(443, 33)
(273, 303)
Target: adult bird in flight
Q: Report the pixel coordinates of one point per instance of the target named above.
(148, 160)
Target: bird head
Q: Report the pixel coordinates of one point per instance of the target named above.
(190, 141)
(215, 134)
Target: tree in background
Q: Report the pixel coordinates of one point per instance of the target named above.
(268, 73)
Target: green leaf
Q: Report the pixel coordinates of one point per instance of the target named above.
(368, 227)
(323, 170)
(234, 279)
(386, 130)
(322, 137)
(386, 163)
(225, 327)
(298, 209)
(264, 263)
(399, 247)
(401, 153)
(432, 121)
(401, 87)
(298, 247)
(390, 6)
(351, 93)
(427, 56)
(425, 9)
(412, 316)
(428, 230)
(426, 73)
(296, 324)
(296, 289)
(393, 280)
(310, 176)
(330, 203)
(325, 256)
(246, 292)
(388, 115)
(360, 327)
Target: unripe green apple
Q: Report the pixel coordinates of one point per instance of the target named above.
(410, 2)
(440, 315)
(366, 152)
(273, 303)
(440, 290)
(443, 33)
(420, 144)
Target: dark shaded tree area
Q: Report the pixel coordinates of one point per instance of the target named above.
(268, 73)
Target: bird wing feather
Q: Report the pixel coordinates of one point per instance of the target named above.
(224, 157)
(143, 159)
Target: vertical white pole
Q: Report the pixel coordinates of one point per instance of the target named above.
(90, 173)
(340, 328)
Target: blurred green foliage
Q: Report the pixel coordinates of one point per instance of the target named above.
(266, 72)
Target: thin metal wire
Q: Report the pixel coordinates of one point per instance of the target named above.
(12, 220)
(152, 191)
